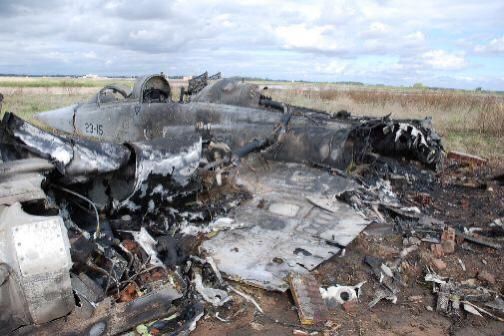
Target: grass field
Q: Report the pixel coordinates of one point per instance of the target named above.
(49, 82)
(472, 122)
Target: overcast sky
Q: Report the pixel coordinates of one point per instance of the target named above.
(450, 43)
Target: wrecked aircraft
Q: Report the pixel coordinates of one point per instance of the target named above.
(105, 201)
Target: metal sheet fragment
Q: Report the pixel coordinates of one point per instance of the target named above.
(280, 231)
(21, 188)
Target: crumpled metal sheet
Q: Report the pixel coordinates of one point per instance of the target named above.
(162, 167)
(109, 317)
(21, 188)
(77, 159)
(109, 166)
(197, 83)
(410, 138)
(21, 180)
(281, 230)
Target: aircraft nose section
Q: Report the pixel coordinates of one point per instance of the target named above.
(61, 119)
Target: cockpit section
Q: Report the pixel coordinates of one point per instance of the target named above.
(147, 89)
(151, 89)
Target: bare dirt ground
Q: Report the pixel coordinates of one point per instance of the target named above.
(457, 205)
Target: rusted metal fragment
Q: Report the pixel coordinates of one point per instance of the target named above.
(479, 241)
(423, 198)
(466, 158)
(310, 305)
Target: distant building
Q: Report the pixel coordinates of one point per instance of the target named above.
(90, 76)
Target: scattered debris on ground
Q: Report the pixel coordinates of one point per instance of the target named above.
(228, 211)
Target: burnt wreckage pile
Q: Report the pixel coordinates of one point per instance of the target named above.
(129, 208)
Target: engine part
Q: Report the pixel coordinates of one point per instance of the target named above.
(35, 253)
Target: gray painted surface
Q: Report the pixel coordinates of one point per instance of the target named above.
(282, 230)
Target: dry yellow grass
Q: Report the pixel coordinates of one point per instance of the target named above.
(25, 103)
(469, 122)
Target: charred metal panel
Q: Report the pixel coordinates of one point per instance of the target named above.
(229, 91)
(21, 180)
(43, 144)
(314, 144)
(79, 159)
(163, 163)
(415, 139)
(197, 83)
(176, 157)
(215, 76)
(129, 122)
(109, 318)
(21, 188)
(282, 231)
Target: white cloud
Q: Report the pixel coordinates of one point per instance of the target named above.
(56, 55)
(90, 55)
(417, 36)
(300, 36)
(333, 67)
(316, 38)
(443, 60)
(378, 28)
(496, 46)
(382, 40)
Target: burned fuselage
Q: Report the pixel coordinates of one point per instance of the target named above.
(132, 173)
